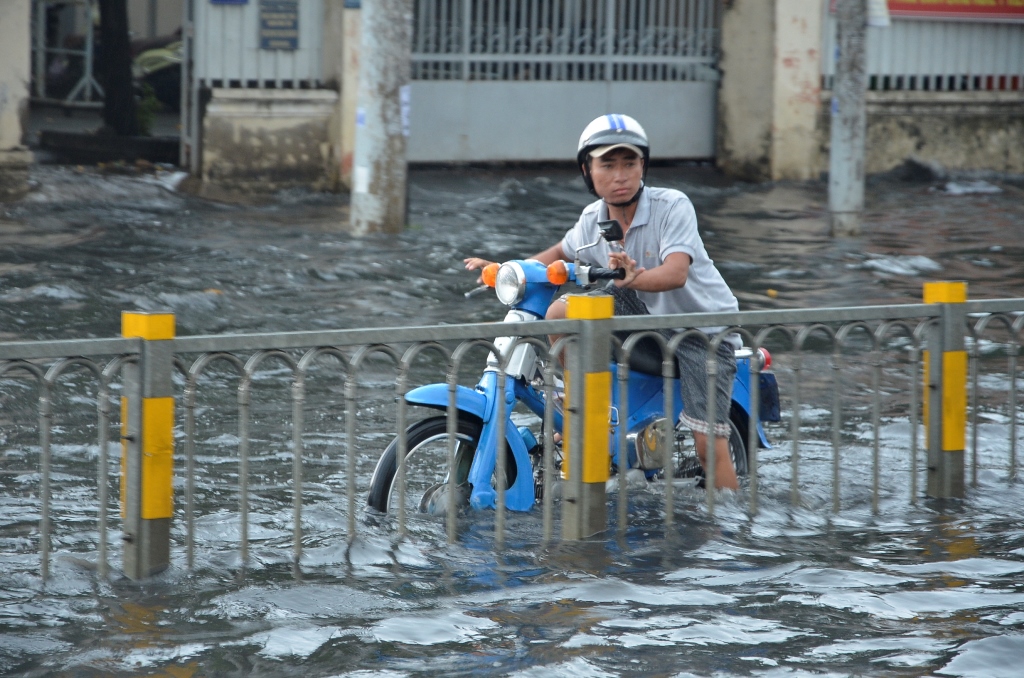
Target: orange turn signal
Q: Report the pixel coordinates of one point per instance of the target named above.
(490, 274)
(558, 274)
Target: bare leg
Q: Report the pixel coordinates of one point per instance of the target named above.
(556, 311)
(725, 473)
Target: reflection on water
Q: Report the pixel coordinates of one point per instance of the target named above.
(926, 589)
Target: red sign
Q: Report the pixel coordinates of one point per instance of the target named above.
(970, 10)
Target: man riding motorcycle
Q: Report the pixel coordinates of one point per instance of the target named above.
(668, 270)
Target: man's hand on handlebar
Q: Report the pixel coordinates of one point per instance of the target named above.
(476, 264)
(623, 261)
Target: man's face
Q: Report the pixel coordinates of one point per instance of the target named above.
(617, 175)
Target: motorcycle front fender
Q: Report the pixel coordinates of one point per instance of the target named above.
(436, 396)
(518, 497)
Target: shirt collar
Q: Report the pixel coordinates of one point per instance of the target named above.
(643, 210)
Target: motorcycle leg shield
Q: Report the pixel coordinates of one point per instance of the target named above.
(519, 495)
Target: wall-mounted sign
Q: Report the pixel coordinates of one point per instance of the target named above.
(962, 10)
(279, 24)
(974, 10)
(229, 2)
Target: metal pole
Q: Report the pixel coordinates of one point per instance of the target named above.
(501, 463)
(710, 456)
(876, 416)
(946, 399)
(243, 468)
(147, 425)
(584, 513)
(103, 476)
(849, 120)
(298, 421)
(40, 48)
(152, 18)
(622, 372)
(45, 428)
(837, 423)
(185, 143)
(380, 169)
(403, 449)
(794, 487)
(350, 455)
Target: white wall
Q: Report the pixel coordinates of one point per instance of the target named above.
(14, 70)
(167, 14)
(770, 95)
(14, 83)
(466, 121)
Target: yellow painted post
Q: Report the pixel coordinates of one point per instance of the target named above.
(588, 401)
(945, 402)
(147, 445)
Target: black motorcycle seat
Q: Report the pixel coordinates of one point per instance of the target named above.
(646, 356)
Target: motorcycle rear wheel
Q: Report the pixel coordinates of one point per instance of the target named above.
(426, 461)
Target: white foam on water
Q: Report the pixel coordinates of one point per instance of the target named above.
(829, 578)
(574, 668)
(708, 577)
(584, 639)
(930, 646)
(152, 656)
(995, 657)
(909, 604)
(728, 630)
(307, 601)
(970, 568)
(453, 626)
(610, 590)
(293, 642)
(901, 264)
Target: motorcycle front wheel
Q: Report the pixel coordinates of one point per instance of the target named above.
(426, 462)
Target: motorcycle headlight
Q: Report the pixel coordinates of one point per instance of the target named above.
(510, 283)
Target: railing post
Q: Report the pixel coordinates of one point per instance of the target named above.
(945, 402)
(147, 445)
(587, 466)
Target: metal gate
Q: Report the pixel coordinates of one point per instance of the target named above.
(519, 79)
(936, 56)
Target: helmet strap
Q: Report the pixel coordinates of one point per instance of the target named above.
(636, 196)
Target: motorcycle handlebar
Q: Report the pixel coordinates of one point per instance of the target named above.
(607, 273)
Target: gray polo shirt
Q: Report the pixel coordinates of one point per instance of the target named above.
(665, 222)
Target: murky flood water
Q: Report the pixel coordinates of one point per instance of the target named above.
(919, 589)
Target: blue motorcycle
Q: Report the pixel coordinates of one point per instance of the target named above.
(528, 288)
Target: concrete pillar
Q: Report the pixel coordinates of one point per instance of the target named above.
(849, 119)
(796, 99)
(334, 78)
(379, 167)
(770, 93)
(345, 24)
(15, 69)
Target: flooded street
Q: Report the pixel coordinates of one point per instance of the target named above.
(916, 590)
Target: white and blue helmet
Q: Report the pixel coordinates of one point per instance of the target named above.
(606, 133)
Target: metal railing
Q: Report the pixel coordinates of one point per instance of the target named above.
(936, 56)
(796, 336)
(565, 40)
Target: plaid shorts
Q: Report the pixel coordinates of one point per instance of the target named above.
(692, 356)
